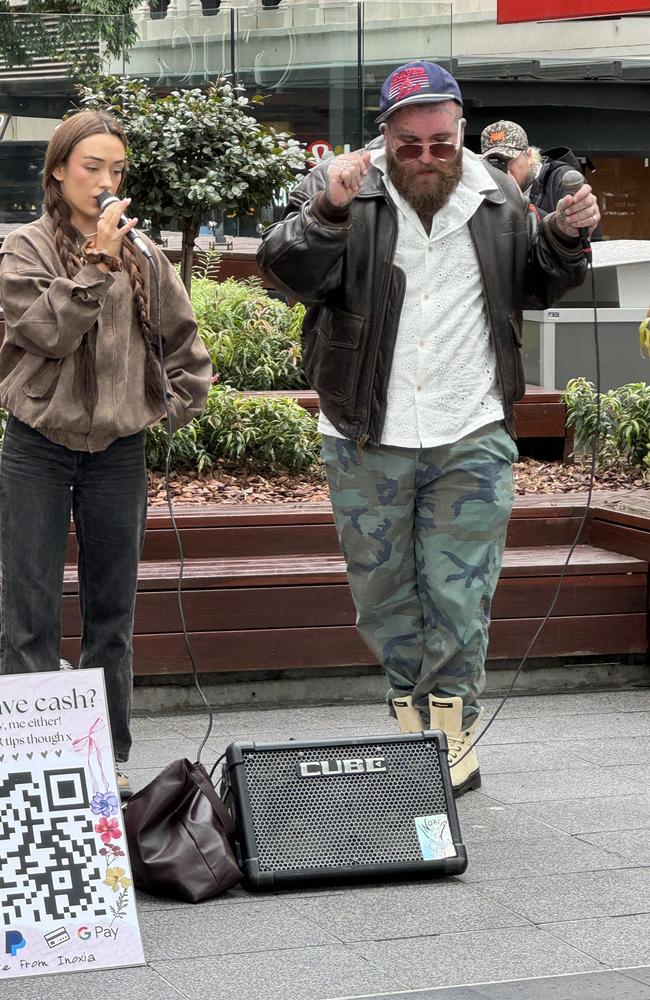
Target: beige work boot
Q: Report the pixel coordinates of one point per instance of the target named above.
(408, 716)
(447, 714)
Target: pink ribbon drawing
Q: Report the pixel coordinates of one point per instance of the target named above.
(89, 742)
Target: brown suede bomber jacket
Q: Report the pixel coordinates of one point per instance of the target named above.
(46, 317)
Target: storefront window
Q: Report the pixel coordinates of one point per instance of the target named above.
(622, 185)
(318, 64)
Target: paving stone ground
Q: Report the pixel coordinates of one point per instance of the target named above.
(554, 905)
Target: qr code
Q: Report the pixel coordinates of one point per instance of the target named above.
(48, 847)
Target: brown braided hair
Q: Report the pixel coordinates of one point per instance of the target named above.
(79, 126)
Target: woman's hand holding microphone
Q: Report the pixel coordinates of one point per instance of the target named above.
(105, 248)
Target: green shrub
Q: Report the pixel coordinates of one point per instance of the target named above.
(187, 454)
(624, 422)
(256, 431)
(253, 340)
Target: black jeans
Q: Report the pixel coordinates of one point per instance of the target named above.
(41, 483)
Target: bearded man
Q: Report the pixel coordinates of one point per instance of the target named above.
(416, 259)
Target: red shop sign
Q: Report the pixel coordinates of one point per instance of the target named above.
(550, 10)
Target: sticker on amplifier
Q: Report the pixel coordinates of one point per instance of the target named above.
(435, 837)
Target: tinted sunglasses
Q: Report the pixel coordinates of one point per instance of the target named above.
(439, 150)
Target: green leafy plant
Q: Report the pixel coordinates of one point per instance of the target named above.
(255, 431)
(84, 34)
(193, 152)
(624, 437)
(207, 264)
(253, 339)
(186, 451)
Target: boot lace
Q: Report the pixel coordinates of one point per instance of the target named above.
(456, 745)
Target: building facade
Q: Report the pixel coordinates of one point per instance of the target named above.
(320, 63)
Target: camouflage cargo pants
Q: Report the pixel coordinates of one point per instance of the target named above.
(422, 532)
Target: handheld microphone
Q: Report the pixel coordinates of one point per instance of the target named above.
(572, 181)
(106, 198)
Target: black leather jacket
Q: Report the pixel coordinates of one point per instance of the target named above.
(340, 264)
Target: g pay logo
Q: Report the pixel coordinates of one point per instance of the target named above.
(14, 941)
(83, 933)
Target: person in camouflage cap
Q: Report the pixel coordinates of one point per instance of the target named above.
(538, 172)
(507, 139)
(507, 144)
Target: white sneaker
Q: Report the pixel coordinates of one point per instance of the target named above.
(447, 714)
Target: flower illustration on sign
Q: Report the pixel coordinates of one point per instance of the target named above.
(104, 804)
(116, 879)
(108, 829)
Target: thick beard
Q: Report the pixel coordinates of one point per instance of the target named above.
(429, 200)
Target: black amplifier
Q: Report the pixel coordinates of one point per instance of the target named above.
(376, 807)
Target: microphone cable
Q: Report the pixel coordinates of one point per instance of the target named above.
(155, 266)
(587, 251)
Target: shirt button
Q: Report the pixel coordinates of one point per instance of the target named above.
(419, 388)
(422, 343)
(425, 296)
(429, 249)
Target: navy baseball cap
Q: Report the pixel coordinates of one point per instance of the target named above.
(417, 83)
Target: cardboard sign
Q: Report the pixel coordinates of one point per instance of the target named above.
(67, 894)
(551, 10)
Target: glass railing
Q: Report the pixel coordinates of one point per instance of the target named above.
(319, 66)
(305, 60)
(183, 45)
(396, 33)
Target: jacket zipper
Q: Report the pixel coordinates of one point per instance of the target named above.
(363, 437)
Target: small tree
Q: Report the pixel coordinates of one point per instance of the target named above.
(193, 151)
(84, 33)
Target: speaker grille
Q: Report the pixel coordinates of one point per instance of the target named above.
(338, 820)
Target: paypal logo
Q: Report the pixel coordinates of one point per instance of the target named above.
(14, 941)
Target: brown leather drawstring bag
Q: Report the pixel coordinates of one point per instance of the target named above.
(181, 836)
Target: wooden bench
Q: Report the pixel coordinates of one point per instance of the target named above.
(265, 589)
